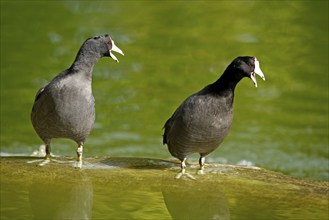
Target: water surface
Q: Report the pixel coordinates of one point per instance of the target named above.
(174, 49)
(139, 188)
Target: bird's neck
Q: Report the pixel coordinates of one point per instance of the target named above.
(84, 62)
(227, 82)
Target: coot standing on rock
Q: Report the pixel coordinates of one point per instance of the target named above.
(65, 107)
(203, 120)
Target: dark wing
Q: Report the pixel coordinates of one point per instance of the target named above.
(39, 93)
(38, 112)
(189, 102)
(170, 122)
(167, 127)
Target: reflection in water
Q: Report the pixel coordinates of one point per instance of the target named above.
(141, 190)
(62, 197)
(187, 199)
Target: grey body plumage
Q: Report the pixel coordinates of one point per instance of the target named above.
(65, 107)
(203, 120)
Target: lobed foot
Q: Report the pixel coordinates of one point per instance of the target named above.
(183, 173)
(41, 162)
(44, 150)
(47, 160)
(77, 164)
(201, 171)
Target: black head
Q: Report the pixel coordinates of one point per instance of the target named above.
(248, 67)
(105, 45)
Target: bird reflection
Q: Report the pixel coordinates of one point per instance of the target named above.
(60, 197)
(187, 199)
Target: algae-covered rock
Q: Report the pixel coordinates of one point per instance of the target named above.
(141, 188)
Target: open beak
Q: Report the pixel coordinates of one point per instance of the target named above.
(116, 49)
(257, 71)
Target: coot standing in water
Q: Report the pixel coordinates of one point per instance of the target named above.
(203, 120)
(65, 107)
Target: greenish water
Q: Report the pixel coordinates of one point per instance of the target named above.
(139, 188)
(173, 49)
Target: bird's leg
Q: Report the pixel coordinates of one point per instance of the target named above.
(183, 165)
(48, 150)
(201, 163)
(182, 172)
(47, 158)
(79, 154)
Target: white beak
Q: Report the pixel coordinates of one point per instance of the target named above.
(257, 71)
(116, 49)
